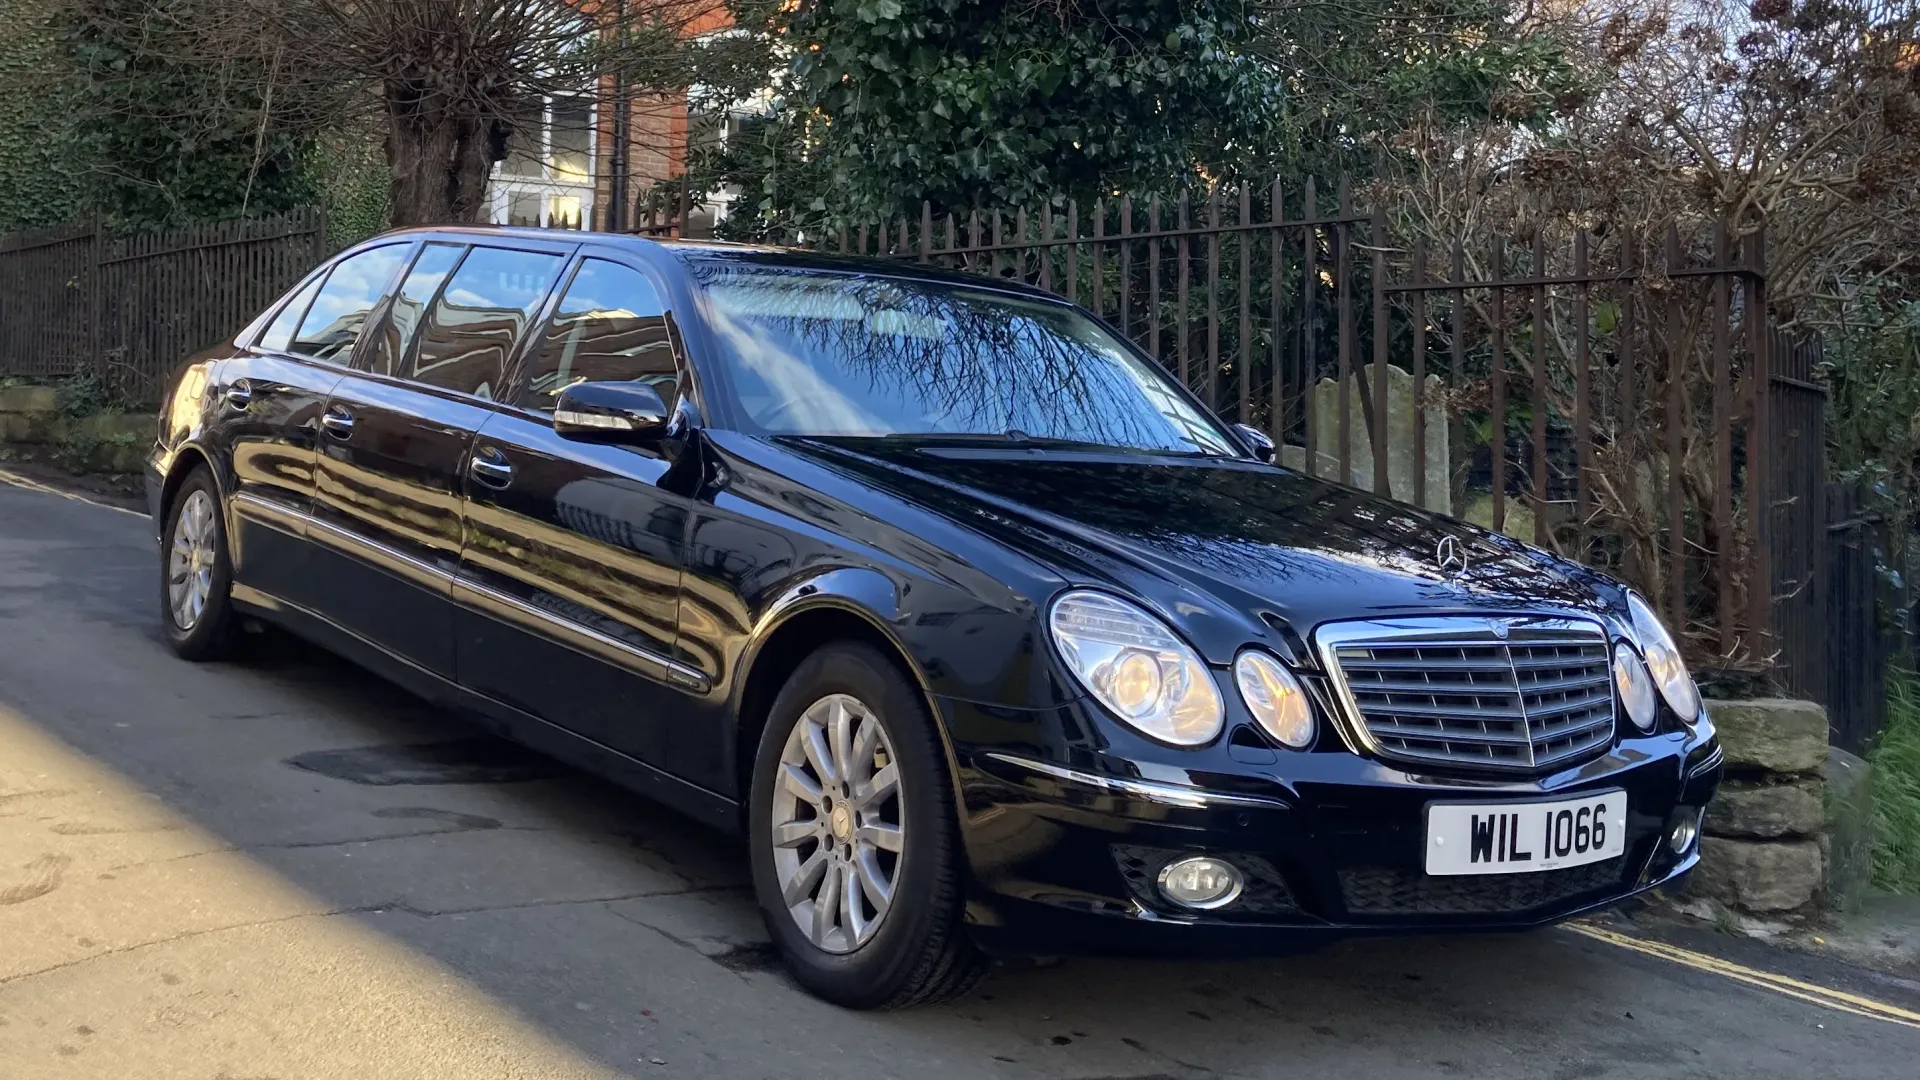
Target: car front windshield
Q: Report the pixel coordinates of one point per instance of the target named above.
(848, 354)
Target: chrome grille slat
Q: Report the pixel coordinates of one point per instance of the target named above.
(1591, 701)
(1487, 738)
(1537, 662)
(1487, 688)
(1400, 708)
(1512, 694)
(1558, 641)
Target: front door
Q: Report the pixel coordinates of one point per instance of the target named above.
(271, 398)
(387, 518)
(569, 585)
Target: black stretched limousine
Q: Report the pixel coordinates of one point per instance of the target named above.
(989, 635)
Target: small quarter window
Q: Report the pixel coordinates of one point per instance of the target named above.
(480, 316)
(611, 326)
(279, 335)
(340, 311)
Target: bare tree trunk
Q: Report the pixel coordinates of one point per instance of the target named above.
(472, 168)
(439, 163)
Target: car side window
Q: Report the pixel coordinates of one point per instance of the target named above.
(340, 311)
(610, 326)
(279, 335)
(480, 316)
(388, 352)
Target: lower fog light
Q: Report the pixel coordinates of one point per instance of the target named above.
(1685, 830)
(1200, 882)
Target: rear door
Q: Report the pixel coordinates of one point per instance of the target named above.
(272, 395)
(569, 587)
(387, 518)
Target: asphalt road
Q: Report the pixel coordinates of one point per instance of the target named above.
(284, 868)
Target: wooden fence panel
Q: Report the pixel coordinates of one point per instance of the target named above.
(46, 289)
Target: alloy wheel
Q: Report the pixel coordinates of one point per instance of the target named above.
(191, 560)
(838, 823)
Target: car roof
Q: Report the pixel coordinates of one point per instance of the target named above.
(721, 251)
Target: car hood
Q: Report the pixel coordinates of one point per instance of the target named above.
(1275, 546)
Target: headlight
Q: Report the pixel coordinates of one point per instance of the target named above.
(1663, 660)
(1137, 667)
(1635, 685)
(1275, 698)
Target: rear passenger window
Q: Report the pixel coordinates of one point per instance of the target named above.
(339, 313)
(610, 326)
(389, 350)
(279, 335)
(480, 316)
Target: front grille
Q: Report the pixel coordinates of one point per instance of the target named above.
(1380, 890)
(1513, 694)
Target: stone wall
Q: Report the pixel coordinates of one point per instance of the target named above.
(31, 426)
(1766, 850)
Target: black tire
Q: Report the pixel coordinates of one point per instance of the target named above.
(211, 635)
(920, 952)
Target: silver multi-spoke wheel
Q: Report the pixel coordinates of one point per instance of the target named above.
(191, 559)
(839, 823)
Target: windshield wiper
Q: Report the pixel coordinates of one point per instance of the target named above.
(1015, 438)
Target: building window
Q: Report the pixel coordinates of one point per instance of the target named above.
(547, 179)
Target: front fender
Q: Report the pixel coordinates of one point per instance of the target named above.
(862, 593)
(955, 646)
(185, 435)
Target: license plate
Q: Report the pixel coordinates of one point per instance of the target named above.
(1525, 837)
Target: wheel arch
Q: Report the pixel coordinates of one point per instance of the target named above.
(185, 459)
(840, 605)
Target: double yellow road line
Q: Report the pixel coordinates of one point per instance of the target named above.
(7, 476)
(1812, 993)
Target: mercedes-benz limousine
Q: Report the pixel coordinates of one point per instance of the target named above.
(987, 635)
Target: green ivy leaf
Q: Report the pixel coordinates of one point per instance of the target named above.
(1606, 316)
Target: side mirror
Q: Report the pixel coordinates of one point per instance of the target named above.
(625, 413)
(1256, 439)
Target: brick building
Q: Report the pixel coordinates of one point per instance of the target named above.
(561, 162)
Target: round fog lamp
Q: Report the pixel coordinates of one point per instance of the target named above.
(1200, 882)
(1686, 829)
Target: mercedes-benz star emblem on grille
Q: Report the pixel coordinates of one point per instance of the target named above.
(1449, 555)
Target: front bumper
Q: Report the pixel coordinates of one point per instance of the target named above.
(1064, 854)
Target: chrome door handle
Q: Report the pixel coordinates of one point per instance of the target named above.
(239, 395)
(338, 422)
(490, 467)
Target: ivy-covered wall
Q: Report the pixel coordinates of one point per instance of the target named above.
(98, 115)
(352, 174)
(39, 184)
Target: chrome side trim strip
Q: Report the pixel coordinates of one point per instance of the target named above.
(1152, 791)
(667, 670)
(268, 512)
(380, 552)
(573, 634)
